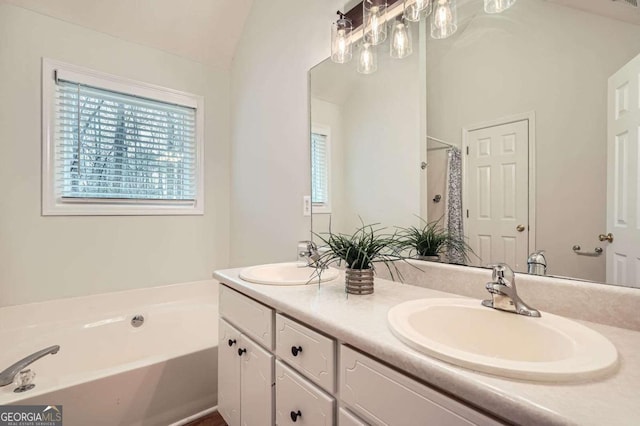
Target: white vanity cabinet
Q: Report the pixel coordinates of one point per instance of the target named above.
(347, 418)
(317, 381)
(245, 379)
(306, 350)
(384, 396)
(245, 368)
(299, 401)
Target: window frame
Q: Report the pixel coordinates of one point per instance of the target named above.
(52, 203)
(322, 129)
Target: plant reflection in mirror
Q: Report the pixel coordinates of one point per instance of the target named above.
(431, 241)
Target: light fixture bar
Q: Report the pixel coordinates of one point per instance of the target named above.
(394, 8)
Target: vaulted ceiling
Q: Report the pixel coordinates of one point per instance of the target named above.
(205, 31)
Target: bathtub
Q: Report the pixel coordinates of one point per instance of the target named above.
(108, 372)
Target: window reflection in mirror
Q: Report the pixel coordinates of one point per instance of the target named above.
(375, 141)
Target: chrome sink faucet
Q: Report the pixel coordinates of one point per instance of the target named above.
(503, 293)
(308, 251)
(7, 376)
(537, 263)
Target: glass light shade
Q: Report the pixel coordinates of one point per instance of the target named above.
(367, 59)
(497, 6)
(341, 48)
(374, 13)
(444, 21)
(401, 45)
(414, 10)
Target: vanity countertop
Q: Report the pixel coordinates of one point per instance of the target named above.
(361, 322)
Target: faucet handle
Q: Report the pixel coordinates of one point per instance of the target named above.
(499, 271)
(537, 257)
(308, 245)
(307, 252)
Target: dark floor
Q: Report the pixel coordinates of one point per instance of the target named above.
(213, 419)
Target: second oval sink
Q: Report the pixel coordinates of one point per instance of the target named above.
(286, 274)
(465, 333)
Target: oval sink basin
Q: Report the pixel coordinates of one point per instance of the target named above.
(286, 274)
(465, 333)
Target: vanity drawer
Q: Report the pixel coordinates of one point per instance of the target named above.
(347, 418)
(299, 399)
(382, 395)
(251, 317)
(310, 352)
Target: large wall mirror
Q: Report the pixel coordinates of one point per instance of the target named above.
(541, 104)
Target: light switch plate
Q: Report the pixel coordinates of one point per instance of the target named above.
(306, 205)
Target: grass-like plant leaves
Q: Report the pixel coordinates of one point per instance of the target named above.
(364, 248)
(431, 240)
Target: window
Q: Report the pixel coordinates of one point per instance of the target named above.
(115, 146)
(320, 169)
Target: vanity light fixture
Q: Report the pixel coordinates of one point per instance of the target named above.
(414, 10)
(444, 21)
(372, 29)
(401, 45)
(374, 13)
(497, 6)
(367, 58)
(341, 46)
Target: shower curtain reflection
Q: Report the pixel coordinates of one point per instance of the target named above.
(444, 190)
(453, 209)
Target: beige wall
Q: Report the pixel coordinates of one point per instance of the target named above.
(270, 126)
(554, 61)
(54, 257)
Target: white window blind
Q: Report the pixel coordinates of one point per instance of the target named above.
(319, 169)
(117, 146)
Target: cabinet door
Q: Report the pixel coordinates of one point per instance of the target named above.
(299, 401)
(256, 398)
(386, 397)
(228, 373)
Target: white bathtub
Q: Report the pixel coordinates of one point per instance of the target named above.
(109, 373)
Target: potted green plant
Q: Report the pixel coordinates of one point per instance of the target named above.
(431, 241)
(359, 252)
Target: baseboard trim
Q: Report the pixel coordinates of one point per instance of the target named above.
(195, 416)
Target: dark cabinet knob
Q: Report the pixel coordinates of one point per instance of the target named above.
(296, 350)
(241, 351)
(295, 415)
(232, 342)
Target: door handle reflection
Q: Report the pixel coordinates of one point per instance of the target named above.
(606, 237)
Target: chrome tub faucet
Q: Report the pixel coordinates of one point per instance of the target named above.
(504, 295)
(7, 376)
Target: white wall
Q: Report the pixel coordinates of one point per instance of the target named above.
(382, 145)
(376, 173)
(54, 257)
(555, 61)
(270, 126)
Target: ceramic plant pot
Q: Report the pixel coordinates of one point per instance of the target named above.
(359, 281)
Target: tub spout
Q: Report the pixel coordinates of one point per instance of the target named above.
(7, 376)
